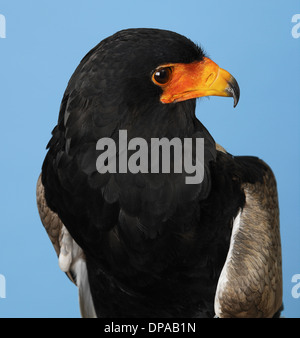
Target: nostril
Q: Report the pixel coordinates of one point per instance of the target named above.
(210, 79)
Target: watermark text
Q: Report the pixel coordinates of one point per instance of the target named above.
(296, 287)
(296, 28)
(2, 287)
(186, 156)
(2, 26)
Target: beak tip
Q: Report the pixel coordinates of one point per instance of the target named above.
(236, 101)
(234, 90)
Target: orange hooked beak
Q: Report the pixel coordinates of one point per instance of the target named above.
(197, 79)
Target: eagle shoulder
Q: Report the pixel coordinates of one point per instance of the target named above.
(250, 284)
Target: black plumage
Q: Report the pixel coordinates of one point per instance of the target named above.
(154, 246)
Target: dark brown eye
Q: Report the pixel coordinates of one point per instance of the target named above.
(162, 75)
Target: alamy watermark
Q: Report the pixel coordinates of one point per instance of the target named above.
(296, 288)
(296, 28)
(2, 287)
(187, 156)
(2, 26)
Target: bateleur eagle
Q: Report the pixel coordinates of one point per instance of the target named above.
(144, 244)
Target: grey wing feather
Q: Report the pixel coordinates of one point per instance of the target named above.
(70, 256)
(250, 284)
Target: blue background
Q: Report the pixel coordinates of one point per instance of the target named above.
(45, 42)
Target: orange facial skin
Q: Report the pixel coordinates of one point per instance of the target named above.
(197, 79)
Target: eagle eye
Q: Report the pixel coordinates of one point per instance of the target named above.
(162, 75)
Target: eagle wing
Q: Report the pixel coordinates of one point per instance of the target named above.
(71, 258)
(250, 284)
